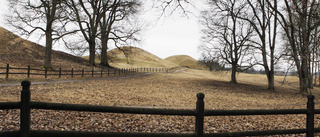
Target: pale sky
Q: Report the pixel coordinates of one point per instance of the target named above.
(171, 35)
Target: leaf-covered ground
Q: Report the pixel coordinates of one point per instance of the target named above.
(163, 90)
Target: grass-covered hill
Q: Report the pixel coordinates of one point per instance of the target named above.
(19, 52)
(136, 57)
(184, 60)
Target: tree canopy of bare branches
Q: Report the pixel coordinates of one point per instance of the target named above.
(31, 16)
(227, 38)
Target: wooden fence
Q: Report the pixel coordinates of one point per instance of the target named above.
(28, 71)
(199, 113)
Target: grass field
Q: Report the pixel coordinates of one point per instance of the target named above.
(164, 90)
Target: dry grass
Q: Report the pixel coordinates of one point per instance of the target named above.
(185, 60)
(168, 90)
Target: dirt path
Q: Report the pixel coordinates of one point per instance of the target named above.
(73, 81)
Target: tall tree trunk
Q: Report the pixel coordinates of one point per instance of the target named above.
(92, 53)
(105, 31)
(48, 48)
(50, 15)
(233, 74)
(104, 55)
(304, 77)
(270, 80)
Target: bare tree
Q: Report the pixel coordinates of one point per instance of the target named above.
(115, 25)
(232, 35)
(264, 21)
(87, 15)
(298, 20)
(29, 16)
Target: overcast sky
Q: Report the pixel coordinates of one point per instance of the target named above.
(171, 35)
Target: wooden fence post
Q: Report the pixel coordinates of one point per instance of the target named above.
(310, 116)
(25, 109)
(28, 71)
(92, 72)
(45, 72)
(60, 72)
(82, 72)
(72, 72)
(108, 72)
(101, 71)
(200, 115)
(7, 71)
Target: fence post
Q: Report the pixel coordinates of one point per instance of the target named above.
(72, 72)
(310, 116)
(25, 109)
(92, 72)
(45, 72)
(7, 71)
(200, 115)
(108, 72)
(82, 72)
(28, 71)
(101, 71)
(60, 72)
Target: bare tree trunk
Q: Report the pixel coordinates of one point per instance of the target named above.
(234, 74)
(104, 53)
(48, 49)
(304, 77)
(92, 53)
(50, 16)
(104, 56)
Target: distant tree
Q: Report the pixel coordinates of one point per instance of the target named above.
(29, 16)
(227, 38)
(208, 61)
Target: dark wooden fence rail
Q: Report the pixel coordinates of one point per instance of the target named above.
(80, 72)
(25, 105)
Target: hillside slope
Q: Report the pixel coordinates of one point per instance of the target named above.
(21, 53)
(136, 57)
(184, 60)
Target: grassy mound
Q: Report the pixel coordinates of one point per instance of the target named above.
(19, 52)
(184, 60)
(129, 57)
